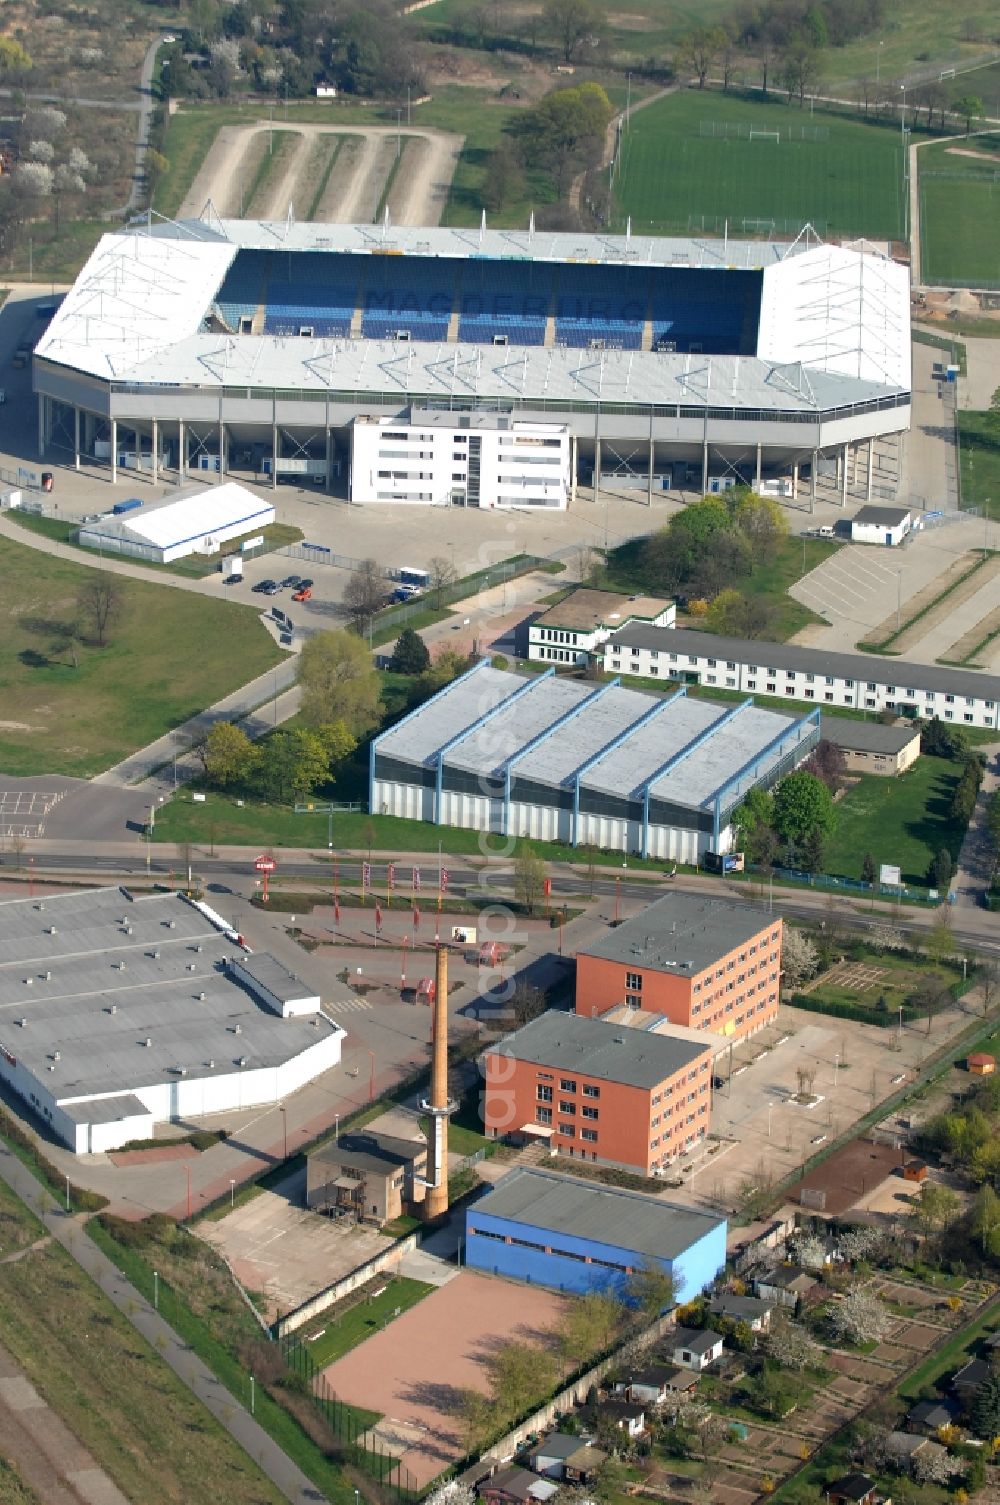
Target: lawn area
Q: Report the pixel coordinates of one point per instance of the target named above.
(154, 1439)
(903, 820)
(789, 561)
(13, 1490)
(675, 178)
(171, 654)
(951, 1354)
(899, 978)
(979, 452)
(346, 1325)
(960, 212)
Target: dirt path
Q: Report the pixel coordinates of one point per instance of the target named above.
(423, 190)
(341, 176)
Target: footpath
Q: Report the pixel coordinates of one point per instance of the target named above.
(189, 1369)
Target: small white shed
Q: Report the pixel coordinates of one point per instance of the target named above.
(881, 525)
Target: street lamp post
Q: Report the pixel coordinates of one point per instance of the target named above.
(232, 1192)
(156, 1291)
(769, 1108)
(899, 595)
(284, 1125)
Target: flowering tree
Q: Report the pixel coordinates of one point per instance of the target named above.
(860, 1318)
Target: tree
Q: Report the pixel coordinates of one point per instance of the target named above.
(760, 519)
(934, 1208)
(802, 804)
(228, 755)
(969, 105)
(813, 851)
(588, 1327)
(570, 21)
(13, 58)
(799, 957)
(733, 614)
(294, 763)
(338, 683)
(364, 592)
(827, 762)
(791, 1345)
(868, 869)
(885, 937)
(529, 877)
(504, 179)
(526, 1002)
(859, 1318)
(520, 1373)
(651, 1289)
(940, 940)
(862, 1243)
(698, 49)
(410, 655)
(985, 1222)
(442, 573)
(773, 1393)
(447, 665)
(939, 740)
(100, 602)
(755, 810)
(800, 69)
(984, 1413)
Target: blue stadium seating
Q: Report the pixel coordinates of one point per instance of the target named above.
(715, 312)
(509, 298)
(606, 303)
(242, 288)
(402, 292)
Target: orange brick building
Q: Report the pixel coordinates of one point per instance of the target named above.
(597, 1091)
(703, 963)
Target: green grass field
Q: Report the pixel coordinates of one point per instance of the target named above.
(960, 212)
(337, 1331)
(675, 179)
(979, 449)
(901, 978)
(112, 1390)
(902, 820)
(171, 654)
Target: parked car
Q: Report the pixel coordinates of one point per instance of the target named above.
(266, 587)
(304, 584)
(290, 581)
(303, 593)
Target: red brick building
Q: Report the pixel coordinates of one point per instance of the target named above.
(704, 963)
(599, 1091)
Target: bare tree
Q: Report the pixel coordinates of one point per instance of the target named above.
(443, 573)
(100, 603)
(365, 591)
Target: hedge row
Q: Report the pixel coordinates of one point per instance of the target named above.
(883, 1018)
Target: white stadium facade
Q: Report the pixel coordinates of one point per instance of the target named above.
(219, 348)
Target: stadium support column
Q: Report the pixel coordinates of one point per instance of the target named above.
(181, 451)
(154, 457)
(704, 455)
(795, 481)
(41, 425)
(871, 467)
(114, 451)
(652, 460)
(274, 441)
(76, 437)
(813, 467)
(597, 452)
(843, 475)
(574, 460)
(221, 472)
(760, 449)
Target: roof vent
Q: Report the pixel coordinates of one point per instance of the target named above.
(113, 1009)
(619, 1039)
(211, 1065)
(147, 1042)
(181, 1070)
(39, 906)
(155, 955)
(56, 1056)
(198, 949)
(171, 924)
(201, 998)
(191, 966)
(29, 982)
(48, 977)
(128, 929)
(242, 1061)
(23, 1023)
(120, 966)
(237, 1029)
(50, 930)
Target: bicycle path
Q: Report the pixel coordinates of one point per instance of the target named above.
(189, 1369)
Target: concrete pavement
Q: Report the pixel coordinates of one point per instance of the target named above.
(189, 1369)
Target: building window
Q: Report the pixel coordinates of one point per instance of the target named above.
(589, 1091)
(543, 1115)
(567, 1084)
(568, 1131)
(567, 1108)
(633, 982)
(544, 1094)
(591, 1113)
(590, 1135)
(633, 1000)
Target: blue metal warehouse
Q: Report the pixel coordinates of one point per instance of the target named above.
(578, 1236)
(561, 760)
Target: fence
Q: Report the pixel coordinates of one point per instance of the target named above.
(353, 1428)
(287, 1325)
(840, 885)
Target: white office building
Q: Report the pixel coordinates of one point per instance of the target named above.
(437, 459)
(575, 629)
(863, 682)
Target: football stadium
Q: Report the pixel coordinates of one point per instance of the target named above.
(462, 367)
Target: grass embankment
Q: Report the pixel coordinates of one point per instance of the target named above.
(904, 820)
(73, 708)
(979, 453)
(350, 1322)
(153, 1438)
(845, 176)
(960, 211)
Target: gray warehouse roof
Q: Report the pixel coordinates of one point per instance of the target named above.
(607, 1052)
(682, 933)
(549, 730)
(275, 977)
(882, 517)
(87, 978)
(603, 1214)
(683, 641)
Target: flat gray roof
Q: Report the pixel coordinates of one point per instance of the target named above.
(453, 711)
(681, 933)
(866, 736)
(488, 748)
(275, 977)
(106, 1110)
(882, 517)
(609, 712)
(867, 667)
(574, 1044)
(590, 1210)
(586, 608)
(93, 975)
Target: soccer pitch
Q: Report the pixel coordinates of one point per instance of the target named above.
(689, 164)
(960, 212)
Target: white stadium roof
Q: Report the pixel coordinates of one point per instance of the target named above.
(833, 325)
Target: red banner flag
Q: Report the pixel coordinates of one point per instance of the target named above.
(336, 911)
(378, 918)
(366, 875)
(416, 880)
(445, 880)
(390, 876)
(416, 918)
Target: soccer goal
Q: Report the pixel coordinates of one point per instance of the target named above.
(764, 135)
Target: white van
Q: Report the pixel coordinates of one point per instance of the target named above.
(827, 531)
